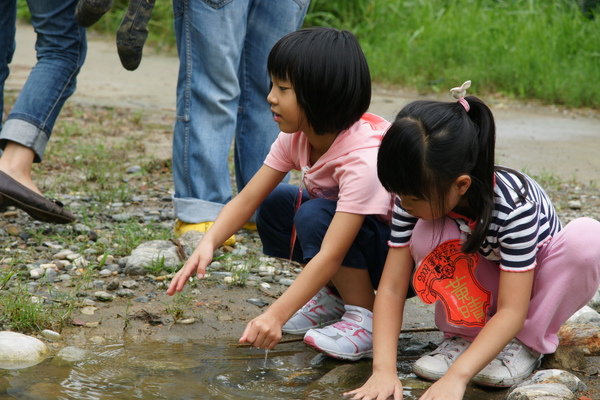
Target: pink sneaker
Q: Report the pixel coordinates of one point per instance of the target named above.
(349, 339)
(323, 309)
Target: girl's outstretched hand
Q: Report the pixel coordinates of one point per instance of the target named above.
(379, 387)
(445, 389)
(197, 264)
(263, 332)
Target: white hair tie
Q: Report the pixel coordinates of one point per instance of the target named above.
(460, 93)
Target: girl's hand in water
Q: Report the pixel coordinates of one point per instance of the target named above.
(263, 332)
(196, 264)
(380, 386)
(445, 389)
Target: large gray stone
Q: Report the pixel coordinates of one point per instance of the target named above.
(20, 351)
(152, 253)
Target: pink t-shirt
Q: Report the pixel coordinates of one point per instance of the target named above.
(346, 173)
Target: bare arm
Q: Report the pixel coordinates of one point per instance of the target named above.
(233, 216)
(513, 303)
(265, 330)
(387, 324)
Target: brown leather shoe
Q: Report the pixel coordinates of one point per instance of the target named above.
(38, 207)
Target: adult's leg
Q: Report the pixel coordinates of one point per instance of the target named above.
(209, 36)
(8, 18)
(267, 22)
(61, 49)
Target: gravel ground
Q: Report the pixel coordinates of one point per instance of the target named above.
(82, 266)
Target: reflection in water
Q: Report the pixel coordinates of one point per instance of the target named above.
(175, 371)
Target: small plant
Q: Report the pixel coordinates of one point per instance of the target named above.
(158, 267)
(240, 275)
(23, 312)
(181, 303)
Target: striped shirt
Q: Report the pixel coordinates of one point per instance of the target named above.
(517, 229)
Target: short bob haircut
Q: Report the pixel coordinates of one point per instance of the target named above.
(329, 74)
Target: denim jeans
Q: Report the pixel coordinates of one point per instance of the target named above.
(222, 92)
(61, 49)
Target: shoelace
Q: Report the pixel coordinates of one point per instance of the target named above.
(451, 345)
(509, 352)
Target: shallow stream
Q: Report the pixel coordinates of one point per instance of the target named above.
(190, 370)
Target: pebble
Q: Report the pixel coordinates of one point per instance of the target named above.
(186, 321)
(104, 296)
(49, 334)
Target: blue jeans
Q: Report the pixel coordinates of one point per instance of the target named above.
(222, 92)
(277, 215)
(61, 49)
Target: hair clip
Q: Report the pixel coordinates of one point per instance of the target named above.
(460, 93)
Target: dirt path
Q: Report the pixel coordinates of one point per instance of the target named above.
(531, 138)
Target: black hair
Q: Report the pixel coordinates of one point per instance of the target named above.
(430, 144)
(329, 73)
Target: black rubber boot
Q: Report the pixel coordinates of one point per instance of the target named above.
(133, 32)
(88, 12)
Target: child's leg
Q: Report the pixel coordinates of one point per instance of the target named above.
(566, 278)
(275, 221)
(361, 268)
(427, 236)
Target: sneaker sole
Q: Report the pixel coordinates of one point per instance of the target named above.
(309, 341)
(430, 376)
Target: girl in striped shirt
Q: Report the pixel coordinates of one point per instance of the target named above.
(480, 240)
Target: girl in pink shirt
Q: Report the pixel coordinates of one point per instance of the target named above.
(337, 222)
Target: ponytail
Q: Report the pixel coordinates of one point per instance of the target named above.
(481, 194)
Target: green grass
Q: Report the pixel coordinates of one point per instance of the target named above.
(524, 49)
(542, 50)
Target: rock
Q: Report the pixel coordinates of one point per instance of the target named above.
(586, 336)
(585, 315)
(48, 334)
(130, 284)
(595, 302)
(127, 293)
(133, 169)
(565, 357)
(347, 375)
(151, 253)
(548, 391)
(257, 302)
(20, 351)
(113, 285)
(69, 355)
(556, 376)
(190, 240)
(103, 296)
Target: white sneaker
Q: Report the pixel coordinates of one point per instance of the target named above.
(349, 339)
(435, 364)
(512, 366)
(323, 309)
